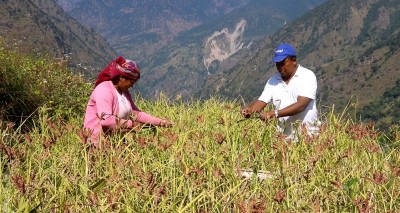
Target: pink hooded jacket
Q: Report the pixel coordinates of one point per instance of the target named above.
(102, 110)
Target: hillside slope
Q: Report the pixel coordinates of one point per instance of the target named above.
(183, 67)
(138, 29)
(42, 27)
(353, 47)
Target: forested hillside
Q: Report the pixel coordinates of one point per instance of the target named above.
(353, 47)
(185, 66)
(42, 28)
(138, 29)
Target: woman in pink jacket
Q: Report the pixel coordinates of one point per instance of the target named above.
(111, 107)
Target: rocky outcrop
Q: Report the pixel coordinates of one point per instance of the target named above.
(222, 44)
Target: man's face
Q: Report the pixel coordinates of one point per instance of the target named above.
(286, 67)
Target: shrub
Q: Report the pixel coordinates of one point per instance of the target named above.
(28, 82)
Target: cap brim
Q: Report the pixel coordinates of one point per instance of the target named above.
(279, 58)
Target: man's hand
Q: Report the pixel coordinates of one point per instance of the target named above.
(255, 106)
(265, 116)
(245, 112)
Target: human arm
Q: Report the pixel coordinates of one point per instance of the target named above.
(305, 88)
(261, 103)
(106, 108)
(145, 118)
(255, 106)
(293, 109)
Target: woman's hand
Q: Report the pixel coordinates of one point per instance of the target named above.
(137, 126)
(166, 123)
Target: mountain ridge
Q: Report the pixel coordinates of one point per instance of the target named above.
(42, 27)
(145, 25)
(352, 46)
(178, 69)
(353, 53)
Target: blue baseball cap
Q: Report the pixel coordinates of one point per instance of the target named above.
(283, 51)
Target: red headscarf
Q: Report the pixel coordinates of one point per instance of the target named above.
(119, 66)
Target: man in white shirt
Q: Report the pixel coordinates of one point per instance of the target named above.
(292, 91)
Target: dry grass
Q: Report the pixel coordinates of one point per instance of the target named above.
(196, 166)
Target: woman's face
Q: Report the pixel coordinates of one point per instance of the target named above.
(125, 83)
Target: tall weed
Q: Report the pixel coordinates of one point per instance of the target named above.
(198, 166)
(28, 82)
